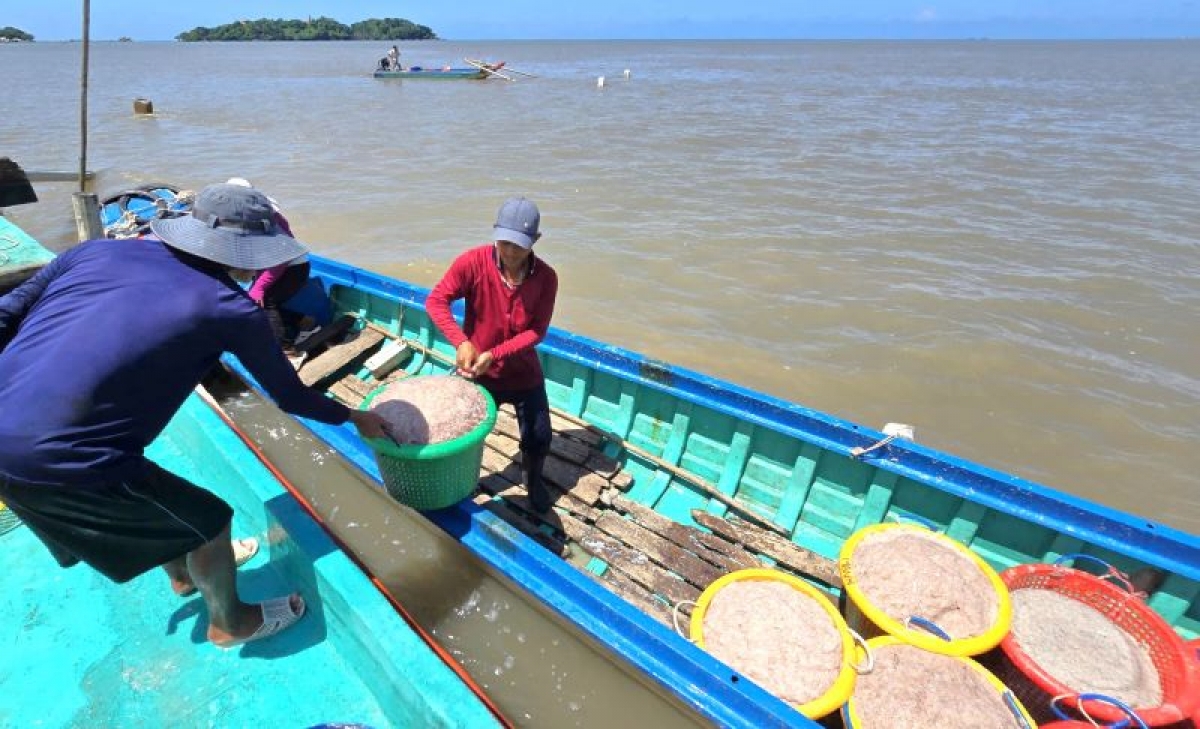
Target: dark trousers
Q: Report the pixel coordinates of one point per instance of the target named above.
(533, 417)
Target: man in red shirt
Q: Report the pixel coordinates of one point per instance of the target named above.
(509, 295)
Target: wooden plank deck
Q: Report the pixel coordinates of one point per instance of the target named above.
(658, 565)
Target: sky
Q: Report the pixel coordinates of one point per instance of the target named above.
(50, 20)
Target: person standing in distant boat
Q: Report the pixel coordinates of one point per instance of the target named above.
(509, 295)
(393, 57)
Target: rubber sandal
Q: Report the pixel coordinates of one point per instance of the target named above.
(277, 616)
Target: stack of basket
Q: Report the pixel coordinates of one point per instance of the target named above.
(951, 643)
(931, 604)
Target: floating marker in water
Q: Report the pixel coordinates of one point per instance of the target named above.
(143, 106)
(627, 73)
(599, 82)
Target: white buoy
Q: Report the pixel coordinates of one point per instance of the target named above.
(599, 82)
(627, 74)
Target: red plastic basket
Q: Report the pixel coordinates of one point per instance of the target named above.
(1178, 672)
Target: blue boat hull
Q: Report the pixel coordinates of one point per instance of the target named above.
(1003, 518)
(435, 73)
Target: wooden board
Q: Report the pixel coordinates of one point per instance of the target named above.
(785, 553)
(339, 356)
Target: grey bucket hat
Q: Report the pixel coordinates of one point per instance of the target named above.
(231, 225)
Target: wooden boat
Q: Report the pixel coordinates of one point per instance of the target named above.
(445, 74)
(83, 651)
(668, 479)
(477, 70)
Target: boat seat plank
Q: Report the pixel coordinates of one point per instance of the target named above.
(634, 564)
(670, 556)
(631, 592)
(339, 356)
(613, 553)
(1173, 597)
(500, 476)
(784, 553)
(567, 448)
(709, 547)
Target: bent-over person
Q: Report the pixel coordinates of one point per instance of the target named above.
(97, 353)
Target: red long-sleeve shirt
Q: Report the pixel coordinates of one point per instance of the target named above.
(508, 321)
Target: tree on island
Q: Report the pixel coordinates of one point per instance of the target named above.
(10, 33)
(311, 29)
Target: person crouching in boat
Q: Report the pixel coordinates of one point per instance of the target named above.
(274, 286)
(509, 295)
(97, 353)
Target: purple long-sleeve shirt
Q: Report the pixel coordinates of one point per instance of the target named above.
(101, 347)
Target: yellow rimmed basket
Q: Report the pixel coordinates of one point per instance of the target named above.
(839, 691)
(874, 646)
(869, 620)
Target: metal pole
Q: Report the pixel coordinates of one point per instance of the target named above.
(83, 95)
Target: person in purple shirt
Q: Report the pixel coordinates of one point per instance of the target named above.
(97, 353)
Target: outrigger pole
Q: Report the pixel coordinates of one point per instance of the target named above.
(84, 204)
(83, 95)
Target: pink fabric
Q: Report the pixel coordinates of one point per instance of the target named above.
(258, 290)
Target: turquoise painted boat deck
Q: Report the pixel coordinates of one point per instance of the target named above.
(20, 255)
(18, 249)
(81, 651)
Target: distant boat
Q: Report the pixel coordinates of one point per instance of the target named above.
(446, 73)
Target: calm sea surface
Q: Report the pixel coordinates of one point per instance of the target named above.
(997, 242)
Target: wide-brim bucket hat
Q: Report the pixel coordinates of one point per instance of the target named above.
(231, 225)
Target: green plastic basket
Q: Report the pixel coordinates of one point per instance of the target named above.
(436, 475)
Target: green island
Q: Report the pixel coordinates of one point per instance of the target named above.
(9, 34)
(317, 29)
